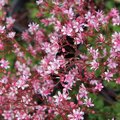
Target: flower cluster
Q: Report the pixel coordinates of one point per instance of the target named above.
(56, 72)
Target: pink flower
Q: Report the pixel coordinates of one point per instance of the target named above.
(114, 12)
(99, 87)
(61, 96)
(88, 102)
(94, 53)
(2, 29)
(39, 2)
(53, 66)
(11, 35)
(108, 75)
(93, 82)
(13, 91)
(100, 16)
(36, 85)
(39, 36)
(4, 80)
(79, 2)
(58, 26)
(94, 65)
(78, 26)
(26, 99)
(4, 64)
(75, 25)
(25, 36)
(69, 79)
(62, 61)
(20, 115)
(2, 3)
(8, 115)
(79, 39)
(21, 83)
(46, 22)
(33, 27)
(76, 115)
(54, 48)
(9, 21)
(69, 12)
(82, 92)
(46, 47)
(101, 38)
(89, 16)
(2, 100)
(44, 91)
(113, 54)
(116, 41)
(112, 64)
(92, 21)
(116, 20)
(67, 30)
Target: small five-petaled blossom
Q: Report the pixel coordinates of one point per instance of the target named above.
(61, 96)
(76, 115)
(99, 86)
(33, 27)
(88, 102)
(4, 64)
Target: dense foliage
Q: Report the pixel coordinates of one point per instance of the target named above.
(58, 67)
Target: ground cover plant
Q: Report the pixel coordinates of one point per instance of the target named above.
(62, 64)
